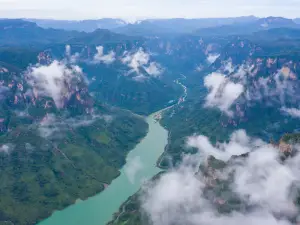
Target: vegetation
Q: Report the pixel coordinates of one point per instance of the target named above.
(41, 174)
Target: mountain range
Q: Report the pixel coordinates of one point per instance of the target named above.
(73, 95)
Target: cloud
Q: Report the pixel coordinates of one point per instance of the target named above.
(99, 57)
(212, 58)
(173, 197)
(228, 67)
(68, 50)
(55, 80)
(132, 167)
(199, 68)
(275, 89)
(291, 111)
(69, 57)
(29, 147)
(49, 126)
(239, 144)
(265, 186)
(52, 126)
(222, 92)
(139, 61)
(7, 148)
(140, 78)
(136, 60)
(245, 86)
(154, 69)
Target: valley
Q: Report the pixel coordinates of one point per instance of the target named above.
(142, 163)
(140, 166)
(94, 120)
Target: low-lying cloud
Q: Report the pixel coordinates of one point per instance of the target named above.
(265, 186)
(53, 126)
(132, 167)
(139, 62)
(222, 91)
(211, 58)
(56, 80)
(69, 57)
(7, 148)
(293, 112)
(100, 57)
(245, 86)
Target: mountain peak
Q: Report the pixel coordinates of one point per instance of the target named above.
(276, 21)
(15, 23)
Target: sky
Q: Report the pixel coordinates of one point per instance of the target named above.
(140, 9)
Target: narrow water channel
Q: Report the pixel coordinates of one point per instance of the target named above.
(140, 166)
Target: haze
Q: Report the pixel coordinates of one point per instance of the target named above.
(140, 9)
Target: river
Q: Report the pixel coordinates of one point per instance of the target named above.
(140, 166)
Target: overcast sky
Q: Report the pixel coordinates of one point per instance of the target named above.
(138, 9)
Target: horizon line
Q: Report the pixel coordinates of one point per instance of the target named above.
(141, 19)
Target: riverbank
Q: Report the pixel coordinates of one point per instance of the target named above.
(140, 166)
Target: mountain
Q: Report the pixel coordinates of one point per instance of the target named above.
(249, 27)
(83, 25)
(19, 33)
(282, 33)
(177, 25)
(151, 27)
(57, 142)
(266, 70)
(214, 186)
(18, 57)
(65, 128)
(145, 28)
(297, 20)
(100, 37)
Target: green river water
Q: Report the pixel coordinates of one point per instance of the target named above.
(140, 166)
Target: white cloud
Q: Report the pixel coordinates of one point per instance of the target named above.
(237, 145)
(154, 69)
(261, 181)
(140, 78)
(228, 67)
(245, 84)
(291, 111)
(100, 57)
(222, 92)
(69, 57)
(7, 148)
(49, 126)
(132, 167)
(52, 126)
(136, 60)
(54, 80)
(212, 58)
(68, 50)
(274, 89)
(173, 197)
(139, 61)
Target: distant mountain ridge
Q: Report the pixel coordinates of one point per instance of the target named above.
(173, 25)
(82, 25)
(116, 62)
(17, 32)
(178, 25)
(249, 27)
(150, 27)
